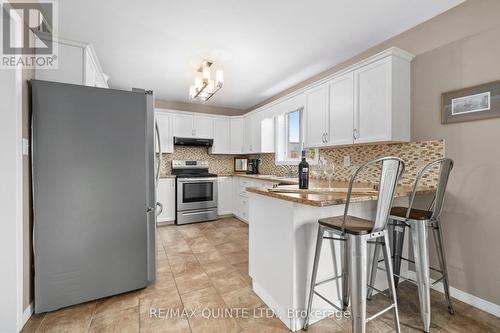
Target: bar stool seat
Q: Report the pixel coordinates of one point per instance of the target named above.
(354, 225)
(415, 214)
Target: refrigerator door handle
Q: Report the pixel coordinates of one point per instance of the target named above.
(158, 138)
(159, 206)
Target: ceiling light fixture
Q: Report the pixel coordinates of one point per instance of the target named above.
(204, 87)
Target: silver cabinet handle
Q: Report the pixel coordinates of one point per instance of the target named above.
(326, 137)
(323, 137)
(355, 134)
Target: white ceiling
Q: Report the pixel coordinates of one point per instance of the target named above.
(263, 46)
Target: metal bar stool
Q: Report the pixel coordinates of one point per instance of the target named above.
(355, 233)
(418, 220)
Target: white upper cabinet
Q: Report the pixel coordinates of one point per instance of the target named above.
(222, 137)
(193, 126)
(341, 115)
(183, 125)
(368, 102)
(203, 127)
(248, 135)
(316, 114)
(372, 116)
(382, 101)
(267, 135)
(164, 121)
(77, 64)
(237, 135)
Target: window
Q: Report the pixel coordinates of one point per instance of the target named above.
(294, 135)
(290, 135)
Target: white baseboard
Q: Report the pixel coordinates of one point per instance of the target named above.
(467, 298)
(27, 313)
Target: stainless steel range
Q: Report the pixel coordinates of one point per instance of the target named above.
(196, 191)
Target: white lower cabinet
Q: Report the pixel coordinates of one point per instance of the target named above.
(165, 194)
(224, 195)
(240, 195)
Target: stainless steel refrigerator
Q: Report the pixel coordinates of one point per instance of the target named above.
(94, 199)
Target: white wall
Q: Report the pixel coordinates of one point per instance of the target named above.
(10, 201)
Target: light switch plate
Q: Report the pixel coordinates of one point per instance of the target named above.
(26, 147)
(347, 161)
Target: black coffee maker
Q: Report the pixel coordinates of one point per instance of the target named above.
(253, 166)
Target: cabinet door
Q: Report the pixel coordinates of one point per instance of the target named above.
(267, 135)
(341, 110)
(183, 125)
(256, 133)
(237, 135)
(203, 127)
(164, 121)
(247, 146)
(372, 117)
(165, 194)
(222, 136)
(316, 113)
(225, 195)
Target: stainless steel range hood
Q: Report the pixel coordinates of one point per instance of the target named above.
(193, 142)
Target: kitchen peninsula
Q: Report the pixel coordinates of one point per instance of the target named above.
(282, 236)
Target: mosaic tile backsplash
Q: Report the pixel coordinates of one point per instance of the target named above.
(218, 164)
(415, 154)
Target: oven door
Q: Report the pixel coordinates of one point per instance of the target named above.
(196, 193)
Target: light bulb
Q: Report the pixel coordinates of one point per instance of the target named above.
(211, 86)
(206, 71)
(219, 77)
(198, 83)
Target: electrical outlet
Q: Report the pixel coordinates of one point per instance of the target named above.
(347, 161)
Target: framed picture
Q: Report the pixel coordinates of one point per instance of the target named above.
(473, 103)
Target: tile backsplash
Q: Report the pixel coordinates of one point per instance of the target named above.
(415, 155)
(217, 163)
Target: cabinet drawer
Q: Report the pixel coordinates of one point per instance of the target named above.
(243, 207)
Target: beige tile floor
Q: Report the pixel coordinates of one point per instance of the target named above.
(206, 266)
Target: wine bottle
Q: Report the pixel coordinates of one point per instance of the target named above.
(303, 172)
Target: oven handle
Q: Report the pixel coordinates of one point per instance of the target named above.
(196, 180)
(199, 212)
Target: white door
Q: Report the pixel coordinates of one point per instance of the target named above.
(225, 195)
(316, 113)
(237, 134)
(248, 135)
(222, 136)
(341, 110)
(164, 121)
(203, 127)
(372, 117)
(165, 194)
(183, 125)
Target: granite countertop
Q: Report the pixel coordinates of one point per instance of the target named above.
(330, 199)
